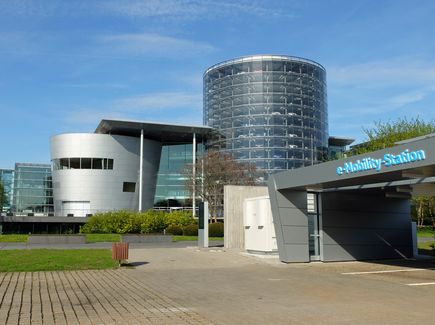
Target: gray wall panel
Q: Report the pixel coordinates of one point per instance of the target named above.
(363, 252)
(362, 236)
(292, 199)
(338, 218)
(293, 217)
(291, 223)
(295, 235)
(359, 228)
(295, 253)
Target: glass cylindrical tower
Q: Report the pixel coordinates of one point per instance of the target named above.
(270, 109)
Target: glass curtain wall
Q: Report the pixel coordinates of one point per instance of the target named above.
(272, 111)
(171, 190)
(33, 189)
(7, 181)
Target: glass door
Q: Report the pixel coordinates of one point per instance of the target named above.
(313, 227)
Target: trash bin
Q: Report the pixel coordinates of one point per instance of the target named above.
(120, 252)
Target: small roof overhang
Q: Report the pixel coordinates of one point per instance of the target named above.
(339, 141)
(164, 132)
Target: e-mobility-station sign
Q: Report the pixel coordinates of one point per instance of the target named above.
(388, 160)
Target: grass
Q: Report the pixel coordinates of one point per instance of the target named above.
(193, 238)
(426, 248)
(425, 232)
(13, 238)
(33, 260)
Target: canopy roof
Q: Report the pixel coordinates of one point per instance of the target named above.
(164, 132)
(410, 164)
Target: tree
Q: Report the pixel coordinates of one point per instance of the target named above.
(214, 170)
(386, 134)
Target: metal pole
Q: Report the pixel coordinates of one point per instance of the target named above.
(140, 170)
(193, 174)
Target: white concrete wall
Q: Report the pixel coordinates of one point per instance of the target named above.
(233, 212)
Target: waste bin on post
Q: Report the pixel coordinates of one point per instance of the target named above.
(120, 252)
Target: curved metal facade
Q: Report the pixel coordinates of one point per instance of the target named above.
(100, 172)
(272, 111)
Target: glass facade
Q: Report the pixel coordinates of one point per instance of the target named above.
(171, 190)
(271, 110)
(33, 190)
(7, 181)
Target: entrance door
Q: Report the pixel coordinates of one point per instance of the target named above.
(313, 226)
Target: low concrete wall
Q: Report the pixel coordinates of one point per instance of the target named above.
(146, 238)
(233, 212)
(56, 239)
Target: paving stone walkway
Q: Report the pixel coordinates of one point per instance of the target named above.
(86, 297)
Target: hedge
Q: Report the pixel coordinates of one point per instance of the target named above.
(123, 222)
(190, 230)
(216, 229)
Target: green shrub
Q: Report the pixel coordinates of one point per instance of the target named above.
(152, 222)
(190, 230)
(179, 218)
(174, 230)
(122, 222)
(216, 229)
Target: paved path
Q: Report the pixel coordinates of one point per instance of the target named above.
(185, 285)
(86, 297)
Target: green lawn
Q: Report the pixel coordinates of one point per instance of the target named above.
(32, 260)
(425, 233)
(13, 238)
(193, 238)
(426, 248)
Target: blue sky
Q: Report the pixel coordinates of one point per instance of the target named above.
(64, 65)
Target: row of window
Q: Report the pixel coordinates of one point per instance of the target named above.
(82, 163)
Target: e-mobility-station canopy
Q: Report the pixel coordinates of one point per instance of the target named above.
(361, 208)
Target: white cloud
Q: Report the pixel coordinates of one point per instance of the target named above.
(392, 72)
(406, 98)
(97, 85)
(158, 101)
(174, 9)
(154, 44)
(191, 9)
(172, 107)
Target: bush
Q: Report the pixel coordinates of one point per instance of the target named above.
(190, 230)
(132, 222)
(174, 230)
(216, 229)
(152, 222)
(179, 218)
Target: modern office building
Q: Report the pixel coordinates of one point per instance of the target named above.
(271, 110)
(33, 190)
(7, 181)
(117, 166)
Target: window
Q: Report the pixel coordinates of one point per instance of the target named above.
(128, 187)
(82, 163)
